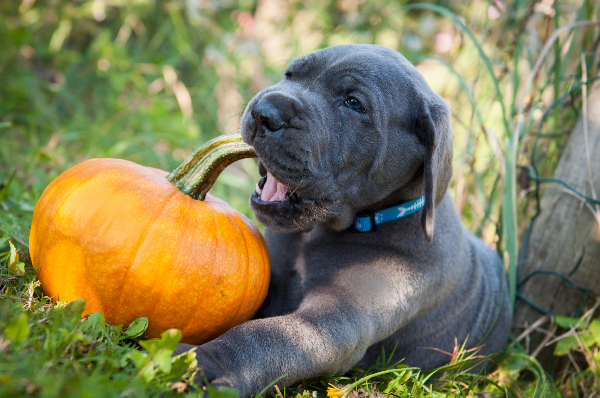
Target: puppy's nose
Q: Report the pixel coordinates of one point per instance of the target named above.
(268, 117)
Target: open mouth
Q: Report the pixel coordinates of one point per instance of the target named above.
(285, 208)
(270, 190)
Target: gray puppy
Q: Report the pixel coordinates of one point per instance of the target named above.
(354, 129)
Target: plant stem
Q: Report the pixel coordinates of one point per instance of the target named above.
(197, 174)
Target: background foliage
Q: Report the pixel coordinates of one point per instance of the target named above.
(149, 81)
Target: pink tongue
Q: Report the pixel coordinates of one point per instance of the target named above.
(273, 191)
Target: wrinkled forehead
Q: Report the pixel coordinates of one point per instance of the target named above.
(371, 64)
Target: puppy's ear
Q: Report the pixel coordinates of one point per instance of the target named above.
(434, 123)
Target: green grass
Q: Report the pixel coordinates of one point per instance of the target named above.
(83, 79)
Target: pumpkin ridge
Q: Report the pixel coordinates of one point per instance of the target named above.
(182, 237)
(193, 318)
(104, 305)
(246, 269)
(72, 189)
(52, 206)
(263, 271)
(141, 240)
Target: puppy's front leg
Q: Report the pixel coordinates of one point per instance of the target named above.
(325, 335)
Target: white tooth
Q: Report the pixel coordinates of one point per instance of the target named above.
(258, 190)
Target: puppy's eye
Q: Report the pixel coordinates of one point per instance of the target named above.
(354, 104)
(288, 75)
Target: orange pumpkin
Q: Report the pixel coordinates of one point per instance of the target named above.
(129, 242)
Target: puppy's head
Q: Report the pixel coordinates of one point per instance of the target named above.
(351, 128)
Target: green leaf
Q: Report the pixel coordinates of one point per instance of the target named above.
(93, 324)
(19, 268)
(570, 342)
(152, 346)
(564, 345)
(75, 308)
(163, 360)
(160, 356)
(139, 359)
(147, 373)
(15, 267)
(142, 362)
(181, 363)
(18, 329)
(566, 322)
(170, 339)
(14, 256)
(136, 328)
(595, 330)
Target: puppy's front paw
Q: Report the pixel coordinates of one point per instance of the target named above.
(214, 370)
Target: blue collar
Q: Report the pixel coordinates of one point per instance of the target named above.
(368, 223)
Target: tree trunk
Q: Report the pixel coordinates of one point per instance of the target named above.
(565, 232)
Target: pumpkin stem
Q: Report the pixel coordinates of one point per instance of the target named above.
(197, 174)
